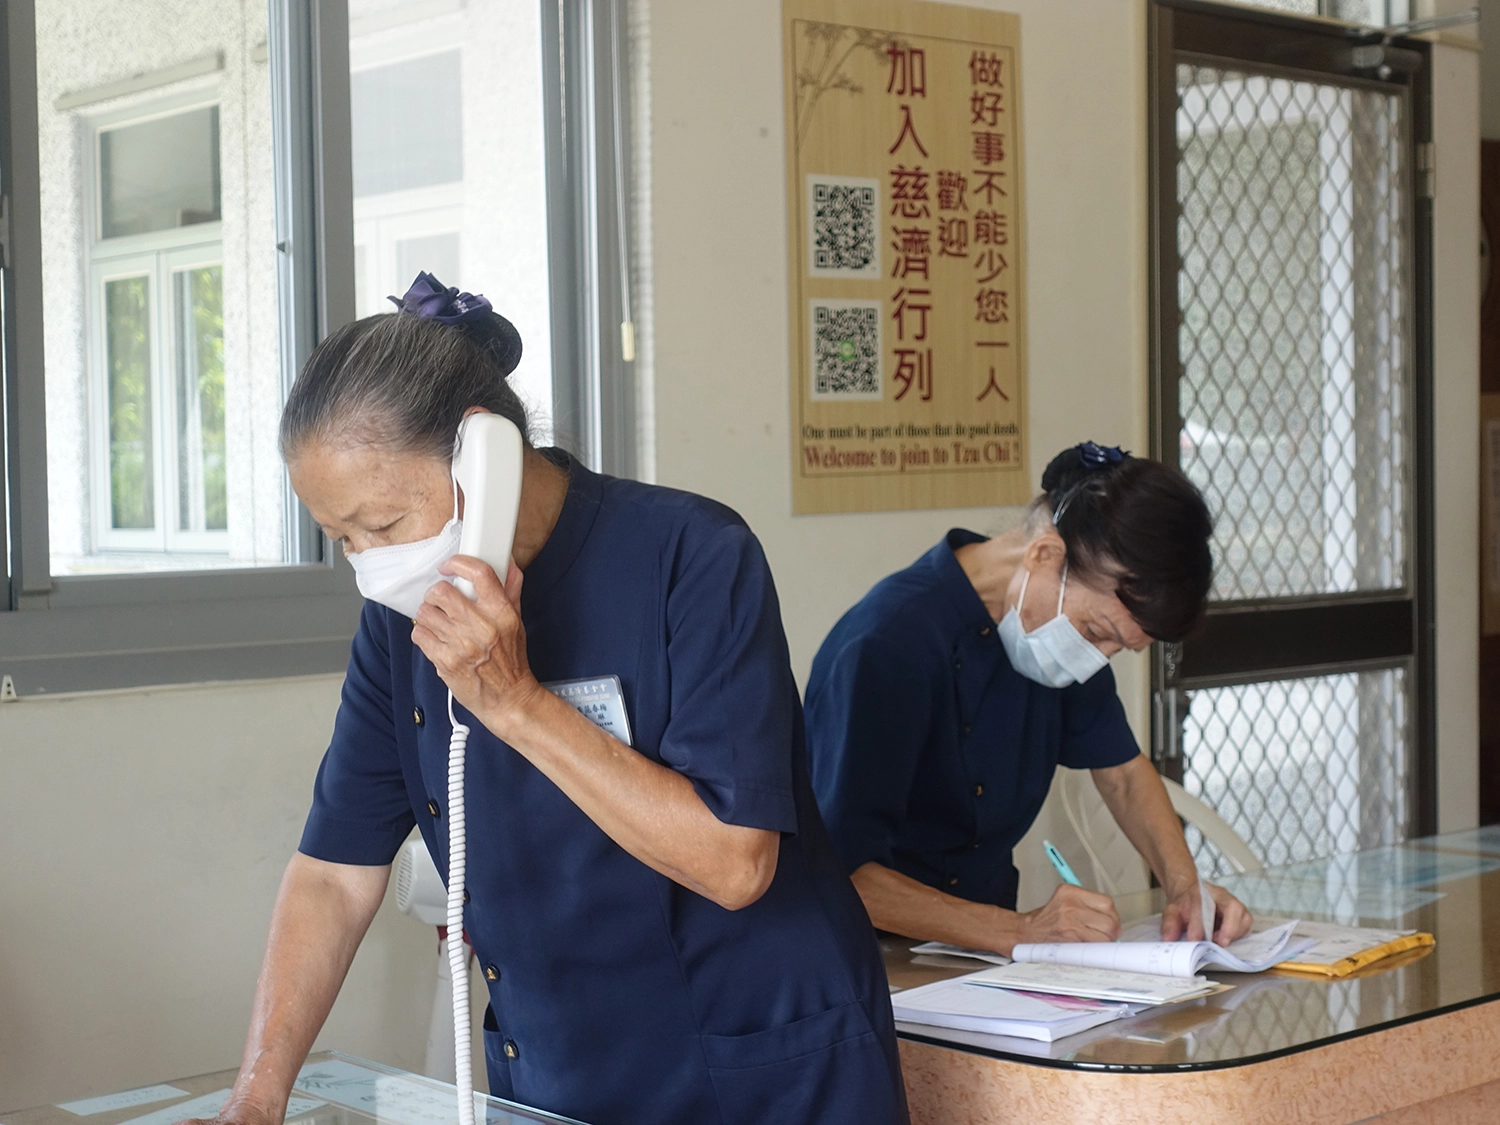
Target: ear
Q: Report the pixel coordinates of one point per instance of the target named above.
(1045, 553)
(477, 410)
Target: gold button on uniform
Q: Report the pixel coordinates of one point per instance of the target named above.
(416, 715)
(985, 632)
(979, 790)
(432, 809)
(953, 881)
(491, 973)
(466, 894)
(511, 1050)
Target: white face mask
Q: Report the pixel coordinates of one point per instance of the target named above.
(1054, 654)
(400, 575)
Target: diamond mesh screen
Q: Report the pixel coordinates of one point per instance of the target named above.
(1375, 12)
(1294, 298)
(1303, 768)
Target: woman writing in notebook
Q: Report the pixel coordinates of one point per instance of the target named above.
(940, 706)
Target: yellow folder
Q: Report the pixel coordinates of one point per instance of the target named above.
(1356, 961)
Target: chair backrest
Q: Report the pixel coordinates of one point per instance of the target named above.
(1117, 868)
(1215, 829)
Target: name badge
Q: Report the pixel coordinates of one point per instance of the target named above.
(601, 701)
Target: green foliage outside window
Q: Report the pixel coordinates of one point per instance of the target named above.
(128, 361)
(207, 344)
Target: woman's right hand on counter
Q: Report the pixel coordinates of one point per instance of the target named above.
(242, 1115)
(1071, 914)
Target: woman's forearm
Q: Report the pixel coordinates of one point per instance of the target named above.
(1138, 800)
(900, 904)
(651, 811)
(321, 915)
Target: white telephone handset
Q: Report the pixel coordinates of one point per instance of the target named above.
(487, 466)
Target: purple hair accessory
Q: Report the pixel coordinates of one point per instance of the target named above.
(1093, 456)
(430, 299)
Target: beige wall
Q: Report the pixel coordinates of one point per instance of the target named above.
(143, 839)
(145, 831)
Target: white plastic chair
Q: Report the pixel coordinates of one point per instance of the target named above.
(1214, 828)
(1117, 867)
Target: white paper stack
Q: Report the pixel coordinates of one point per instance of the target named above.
(1101, 983)
(966, 1005)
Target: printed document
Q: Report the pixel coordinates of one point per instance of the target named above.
(964, 1005)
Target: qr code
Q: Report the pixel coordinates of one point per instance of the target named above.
(843, 220)
(846, 350)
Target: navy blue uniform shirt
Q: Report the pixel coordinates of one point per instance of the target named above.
(930, 754)
(616, 994)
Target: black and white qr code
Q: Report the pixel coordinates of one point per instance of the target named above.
(846, 349)
(844, 220)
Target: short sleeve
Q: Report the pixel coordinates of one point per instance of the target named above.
(734, 702)
(361, 812)
(1095, 734)
(868, 723)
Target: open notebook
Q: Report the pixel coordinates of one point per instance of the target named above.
(1253, 953)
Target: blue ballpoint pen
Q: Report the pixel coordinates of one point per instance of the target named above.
(1061, 864)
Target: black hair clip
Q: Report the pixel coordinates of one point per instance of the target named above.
(430, 299)
(1093, 456)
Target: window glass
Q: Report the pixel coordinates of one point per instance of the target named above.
(160, 174)
(449, 164)
(202, 496)
(163, 365)
(407, 131)
(127, 348)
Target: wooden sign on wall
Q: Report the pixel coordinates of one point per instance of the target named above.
(905, 243)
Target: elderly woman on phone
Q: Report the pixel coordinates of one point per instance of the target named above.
(665, 930)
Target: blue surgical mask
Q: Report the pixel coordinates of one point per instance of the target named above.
(1054, 654)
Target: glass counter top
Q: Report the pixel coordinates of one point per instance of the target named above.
(332, 1089)
(1448, 886)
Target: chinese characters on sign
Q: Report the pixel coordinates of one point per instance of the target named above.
(906, 252)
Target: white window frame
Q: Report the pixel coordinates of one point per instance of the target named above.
(160, 268)
(382, 221)
(158, 255)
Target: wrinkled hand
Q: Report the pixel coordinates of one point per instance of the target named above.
(1182, 920)
(478, 647)
(1072, 914)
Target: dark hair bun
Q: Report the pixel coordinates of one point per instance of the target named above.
(1079, 462)
(497, 337)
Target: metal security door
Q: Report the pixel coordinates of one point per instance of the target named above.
(1290, 385)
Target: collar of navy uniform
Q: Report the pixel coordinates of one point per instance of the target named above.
(968, 607)
(574, 522)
